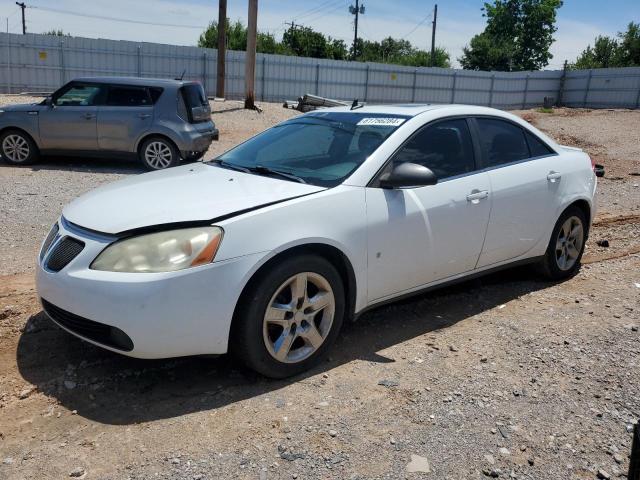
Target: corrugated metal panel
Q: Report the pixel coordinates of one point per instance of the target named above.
(35, 62)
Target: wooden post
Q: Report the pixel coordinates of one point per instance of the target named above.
(222, 47)
(493, 81)
(563, 79)
(586, 91)
(250, 56)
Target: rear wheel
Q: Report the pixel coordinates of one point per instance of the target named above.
(564, 252)
(18, 148)
(289, 318)
(158, 153)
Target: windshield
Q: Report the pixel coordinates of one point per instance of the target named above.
(321, 148)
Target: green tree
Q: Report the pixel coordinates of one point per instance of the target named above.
(517, 37)
(609, 52)
(604, 54)
(236, 38)
(57, 33)
(629, 51)
(306, 42)
(400, 52)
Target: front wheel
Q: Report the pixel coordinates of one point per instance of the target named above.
(290, 317)
(564, 252)
(18, 148)
(158, 153)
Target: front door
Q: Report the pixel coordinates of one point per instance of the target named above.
(126, 115)
(417, 236)
(70, 122)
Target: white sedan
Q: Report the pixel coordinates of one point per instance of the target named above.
(267, 249)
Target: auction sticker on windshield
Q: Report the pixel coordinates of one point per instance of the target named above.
(382, 121)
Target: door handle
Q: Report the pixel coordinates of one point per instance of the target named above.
(553, 176)
(89, 116)
(476, 195)
(144, 115)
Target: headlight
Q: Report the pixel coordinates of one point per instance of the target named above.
(161, 252)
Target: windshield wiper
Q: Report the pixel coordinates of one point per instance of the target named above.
(261, 169)
(232, 166)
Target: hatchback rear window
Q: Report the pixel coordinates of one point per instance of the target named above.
(194, 96)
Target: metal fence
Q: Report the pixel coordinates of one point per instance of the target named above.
(42, 63)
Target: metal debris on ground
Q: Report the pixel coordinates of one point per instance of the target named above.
(309, 102)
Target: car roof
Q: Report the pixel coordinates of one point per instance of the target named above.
(138, 81)
(414, 109)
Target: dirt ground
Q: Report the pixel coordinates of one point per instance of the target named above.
(503, 377)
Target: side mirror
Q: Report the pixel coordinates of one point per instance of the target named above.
(408, 175)
(48, 101)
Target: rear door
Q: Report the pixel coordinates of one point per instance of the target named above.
(70, 122)
(525, 178)
(125, 116)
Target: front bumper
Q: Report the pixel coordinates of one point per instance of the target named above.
(164, 315)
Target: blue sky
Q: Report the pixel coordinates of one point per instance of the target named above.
(579, 21)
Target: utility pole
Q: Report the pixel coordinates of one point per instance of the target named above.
(24, 25)
(357, 10)
(222, 46)
(433, 35)
(250, 56)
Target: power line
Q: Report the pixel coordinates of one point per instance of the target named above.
(317, 9)
(114, 19)
(420, 23)
(324, 14)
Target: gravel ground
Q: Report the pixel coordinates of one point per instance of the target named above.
(502, 377)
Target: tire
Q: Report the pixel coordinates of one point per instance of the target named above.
(158, 153)
(298, 335)
(18, 148)
(570, 248)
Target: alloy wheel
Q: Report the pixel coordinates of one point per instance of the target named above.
(299, 317)
(158, 155)
(15, 148)
(569, 243)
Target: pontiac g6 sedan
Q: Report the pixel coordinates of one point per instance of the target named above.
(267, 249)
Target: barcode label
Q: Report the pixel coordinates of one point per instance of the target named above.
(382, 121)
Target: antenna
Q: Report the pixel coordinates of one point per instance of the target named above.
(181, 75)
(355, 104)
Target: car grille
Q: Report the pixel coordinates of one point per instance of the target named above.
(65, 251)
(98, 332)
(49, 240)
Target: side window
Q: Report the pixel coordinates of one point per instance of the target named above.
(79, 95)
(502, 142)
(445, 148)
(536, 147)
(155, 93)
(123, 96)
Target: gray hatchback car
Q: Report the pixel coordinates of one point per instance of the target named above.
(157, 121)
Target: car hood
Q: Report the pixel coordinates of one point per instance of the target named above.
(22, 107)
(190, 193)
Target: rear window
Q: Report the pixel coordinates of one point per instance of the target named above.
(194, 96)
(537, 148)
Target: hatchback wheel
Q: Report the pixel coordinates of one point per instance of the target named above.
(566, 246)
(158, 153)
(290, 316)
(18, 148)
